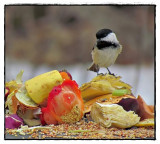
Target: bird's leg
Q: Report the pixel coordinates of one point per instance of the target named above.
(110, 72)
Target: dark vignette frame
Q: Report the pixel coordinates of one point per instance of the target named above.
(36, 4)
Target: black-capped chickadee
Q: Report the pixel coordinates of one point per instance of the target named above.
(105, 51)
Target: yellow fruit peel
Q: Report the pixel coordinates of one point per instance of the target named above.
(39, 87)
(106, 99)
(101, 85)
(12, 103)
(24, 99)
(145, 123)
(113, 115)
(15, 84)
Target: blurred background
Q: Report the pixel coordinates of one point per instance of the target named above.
(40, 38)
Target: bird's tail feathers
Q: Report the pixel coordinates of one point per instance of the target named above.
(94, 67)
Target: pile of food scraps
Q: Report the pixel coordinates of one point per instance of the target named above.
(52, 105)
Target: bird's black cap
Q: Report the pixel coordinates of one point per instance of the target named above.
(102, 33)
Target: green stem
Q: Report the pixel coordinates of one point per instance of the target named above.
(120, 92)
(78, 131)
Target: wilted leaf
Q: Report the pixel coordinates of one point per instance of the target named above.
(145, 111)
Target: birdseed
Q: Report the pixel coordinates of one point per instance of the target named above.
(85, 130)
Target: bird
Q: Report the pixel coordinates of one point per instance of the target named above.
(105, 51)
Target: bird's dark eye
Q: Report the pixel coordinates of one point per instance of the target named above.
(105, 44)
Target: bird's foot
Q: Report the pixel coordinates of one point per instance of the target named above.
(102, 74)
(111, 74)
